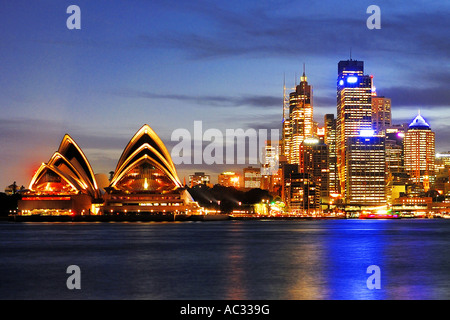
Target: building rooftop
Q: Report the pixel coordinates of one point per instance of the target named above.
(419, 123)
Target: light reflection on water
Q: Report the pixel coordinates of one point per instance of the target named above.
(281, 260)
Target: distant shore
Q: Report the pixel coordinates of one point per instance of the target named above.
(159, 218)
(150, 218)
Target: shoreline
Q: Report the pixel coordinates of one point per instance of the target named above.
(178, 218)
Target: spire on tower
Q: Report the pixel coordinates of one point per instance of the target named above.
(303, 78)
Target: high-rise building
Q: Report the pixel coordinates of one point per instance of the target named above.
(395, 169)
(381, 114)
(314, 160)
(252, 177)
(299, 192)
(419, 152)
(270, 166)
(366, 170)
(299, 123)
(330, 141)
(354, 113)
(395, 135)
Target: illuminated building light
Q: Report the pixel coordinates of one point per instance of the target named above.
(311, 141)
(352, 79)
(341, 82)
(367, 133)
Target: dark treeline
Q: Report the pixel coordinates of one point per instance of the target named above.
(8, 203)
(227, 199)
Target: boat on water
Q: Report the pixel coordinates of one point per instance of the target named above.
(378, 216)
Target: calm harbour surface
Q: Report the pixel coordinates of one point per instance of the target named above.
(227, 260)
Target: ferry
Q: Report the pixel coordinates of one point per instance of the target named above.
(379, 216)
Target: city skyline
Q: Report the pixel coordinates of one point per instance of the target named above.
(204, 62)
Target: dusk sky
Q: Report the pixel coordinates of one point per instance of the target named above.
(170, 63)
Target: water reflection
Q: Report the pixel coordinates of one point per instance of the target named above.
(235, 265)
(350, 250)
(238, 260)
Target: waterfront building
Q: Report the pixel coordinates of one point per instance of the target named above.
(145, 180)
(419, 152)
(354, 114)
(65, 185)
(412, 206)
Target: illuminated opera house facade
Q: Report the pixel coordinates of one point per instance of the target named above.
(145, 182)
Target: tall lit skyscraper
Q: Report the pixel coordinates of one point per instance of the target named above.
(300, 118)
(366, 170)
(354, 112)
(314, 160)
(330, 141)
(419, 151)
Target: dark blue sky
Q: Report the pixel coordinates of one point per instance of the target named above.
(169, 63)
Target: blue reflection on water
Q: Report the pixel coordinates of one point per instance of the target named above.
(285, 260)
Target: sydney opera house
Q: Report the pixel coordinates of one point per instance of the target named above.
(144, 183)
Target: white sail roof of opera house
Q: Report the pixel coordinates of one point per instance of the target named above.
(67, 171)
(145, 165)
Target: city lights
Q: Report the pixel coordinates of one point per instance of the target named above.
(352, 79)
(352, 164)
(367, 133)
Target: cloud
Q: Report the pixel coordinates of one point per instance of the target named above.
(262, 31)
(405, 97)
(258, 101)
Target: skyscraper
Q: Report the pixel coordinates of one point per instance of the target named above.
(366, 170)
(330, 141)
(381, 114)
(299, 192)
(299, 125)
(314, 160)
(354, 112)
(419, 151)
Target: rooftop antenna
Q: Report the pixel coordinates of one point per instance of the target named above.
(350, 53)
(284, 98)
(303, 78)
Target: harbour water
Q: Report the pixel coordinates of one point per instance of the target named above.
(218, 260)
